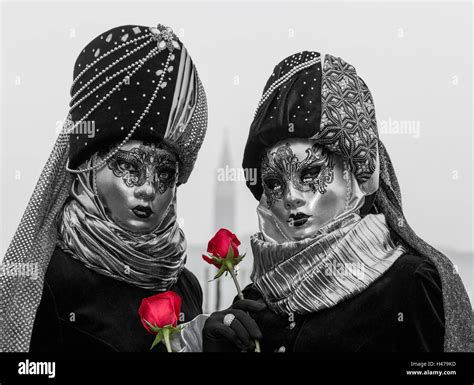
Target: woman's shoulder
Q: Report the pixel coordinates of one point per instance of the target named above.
(62, 267)
(65, 269)
(412, 268)
(189, 285)
(416, 282)
(188, 278)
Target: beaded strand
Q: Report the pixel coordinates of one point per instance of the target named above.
(283, 79)
(103, 83)
(115, 62)
(135, 126)
(152, 53)
(89, 66)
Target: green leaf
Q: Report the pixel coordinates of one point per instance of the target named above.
(221, 271)
(152, 327)
(148, 323)
(230, 252)
(174, 330)
(232, 258)
(158, 338)
(217, 259)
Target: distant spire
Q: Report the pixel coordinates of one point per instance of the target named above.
(224, 201)
(226, 156)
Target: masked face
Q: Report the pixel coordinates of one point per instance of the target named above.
(137, 185)
(304, 186)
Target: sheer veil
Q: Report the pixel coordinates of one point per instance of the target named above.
(33, 244)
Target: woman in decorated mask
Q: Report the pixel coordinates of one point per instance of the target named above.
(101, 224)
(335, 261)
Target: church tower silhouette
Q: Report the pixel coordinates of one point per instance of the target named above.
(224, 202)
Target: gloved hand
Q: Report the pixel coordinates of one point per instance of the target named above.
(237, 332)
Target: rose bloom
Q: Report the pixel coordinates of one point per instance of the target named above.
(160, 310)
(219, 245)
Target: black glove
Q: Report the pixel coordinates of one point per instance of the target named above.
(240, 335)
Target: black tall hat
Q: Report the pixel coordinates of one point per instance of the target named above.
(136, 82)
(329, 103)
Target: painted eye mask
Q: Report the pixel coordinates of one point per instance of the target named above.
(145, 163)
(282, 166)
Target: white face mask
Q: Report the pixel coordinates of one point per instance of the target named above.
(305, 188)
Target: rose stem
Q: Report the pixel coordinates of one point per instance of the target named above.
(230, 268)
(166, 337)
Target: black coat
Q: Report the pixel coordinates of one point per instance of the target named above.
(84, 311)
(401, 311)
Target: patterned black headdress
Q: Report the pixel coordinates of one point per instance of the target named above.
(305, 99)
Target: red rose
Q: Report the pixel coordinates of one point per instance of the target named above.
(160, 310)
(219, 245)
(223, 251)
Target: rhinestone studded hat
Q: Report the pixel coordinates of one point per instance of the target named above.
(324, 99)
(130, 82)
(136, 82)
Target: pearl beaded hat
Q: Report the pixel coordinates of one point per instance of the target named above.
(136, 82)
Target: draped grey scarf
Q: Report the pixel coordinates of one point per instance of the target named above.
(343, 258)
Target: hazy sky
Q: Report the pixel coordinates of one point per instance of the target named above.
(416, 60)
